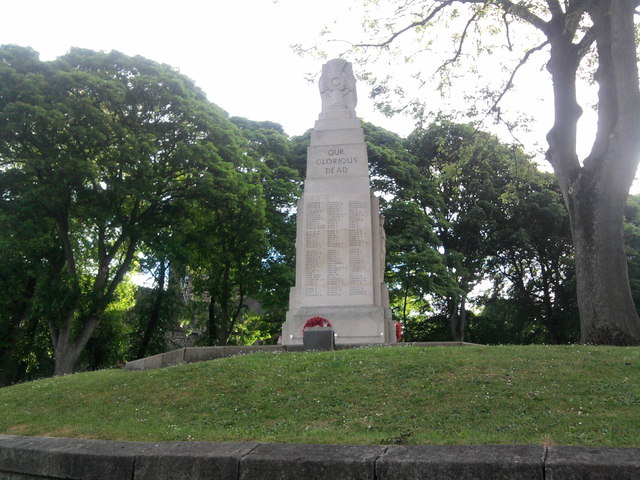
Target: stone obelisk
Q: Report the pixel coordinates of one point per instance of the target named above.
(340, 243)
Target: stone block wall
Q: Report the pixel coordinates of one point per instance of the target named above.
(31, 458)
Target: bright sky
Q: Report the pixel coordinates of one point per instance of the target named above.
(238, 51)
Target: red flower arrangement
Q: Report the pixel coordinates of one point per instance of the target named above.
(398, 331)
(316, 322)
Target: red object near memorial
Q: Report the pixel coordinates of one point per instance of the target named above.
(316, 322)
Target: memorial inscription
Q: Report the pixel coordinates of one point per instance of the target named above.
(336, 161)
(336, 247)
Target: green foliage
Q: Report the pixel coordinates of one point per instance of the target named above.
(158, 309)
(568, 395)
(506, 321)
(273, 153)
(573, 40)
(459, 179)
(462, 208)
(533, 265)
(422, 326)
(632, 245)
(252, 329)
(109, 162)
(391, 165)
(226, 264)
(109, 345)
(415, 267)
(109, 152)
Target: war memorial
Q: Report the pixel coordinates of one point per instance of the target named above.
(340, 242)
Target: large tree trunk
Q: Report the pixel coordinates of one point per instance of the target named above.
(68, 346)
(72, 334)
(65, 361)
(64, 353)
(607, 313)
(596, 191)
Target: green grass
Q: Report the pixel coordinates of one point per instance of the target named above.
(440, 395)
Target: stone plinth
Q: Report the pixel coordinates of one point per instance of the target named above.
(340, 245)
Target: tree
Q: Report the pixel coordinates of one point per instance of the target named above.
(533, 264)
(460, 176)
(416, 271)
(575, 34)
(24, 271)
(228, 245)
(157, 309)
(107, 150)
(632, 244)
(272, 153)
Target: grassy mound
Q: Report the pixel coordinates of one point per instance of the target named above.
(440, 395)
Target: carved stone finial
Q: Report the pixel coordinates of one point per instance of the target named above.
(338, 89)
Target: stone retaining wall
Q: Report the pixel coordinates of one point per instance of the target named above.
(27, 458)
(201, 354)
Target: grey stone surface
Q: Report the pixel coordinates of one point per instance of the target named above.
(293, 348)
(192, 461)
(19, 476)
(15, 454)
(202, 354)
(31, 458)
(338, 89)
(318, 339)
(69, 458)
(248, 349)
(476, 462)
(584, 463)
(139, 364)
(148, 363)
(197, 354)
(310, 462)
(174, 357)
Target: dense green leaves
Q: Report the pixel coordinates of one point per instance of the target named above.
(110, 151)
(461, 176)
(472, 224)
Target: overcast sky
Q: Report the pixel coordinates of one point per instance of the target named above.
(238, 51)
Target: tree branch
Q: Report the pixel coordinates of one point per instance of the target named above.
(62, 223)
(411, 26)
(507, 31)
(509, 83)
(123, 269)
(585, 43)
(627, 94)
(524, 13)
(473, 18)
(555, 8)
(237, 312)
(563, 66)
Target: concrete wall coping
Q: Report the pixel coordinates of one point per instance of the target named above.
(27, 458)
(202, 354)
